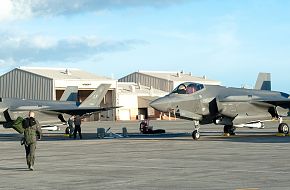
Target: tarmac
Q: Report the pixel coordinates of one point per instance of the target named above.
(254, 159)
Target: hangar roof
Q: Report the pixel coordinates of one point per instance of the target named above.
(63, 73)
(179, 76)
(131, 87)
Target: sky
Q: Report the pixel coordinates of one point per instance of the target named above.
(225, 40)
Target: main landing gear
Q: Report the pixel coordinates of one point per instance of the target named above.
(283, 128)
(229, 129)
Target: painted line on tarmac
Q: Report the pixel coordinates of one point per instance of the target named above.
(139, 167)
(182, 168)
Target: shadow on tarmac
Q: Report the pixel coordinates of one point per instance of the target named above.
(248, 137)
(13, 169)
(271, 138)
(10, 137)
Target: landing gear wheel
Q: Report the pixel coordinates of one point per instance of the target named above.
(232, 130)
(229, 129)
(67, 130)
(283, 128)
(195, 135)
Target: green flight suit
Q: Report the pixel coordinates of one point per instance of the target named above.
(32, 132)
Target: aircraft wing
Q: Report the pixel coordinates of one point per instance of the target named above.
(277, 101)
(83, 111)
(281, 103)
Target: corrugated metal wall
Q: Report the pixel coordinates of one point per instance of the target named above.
(21, 84)
(148, 80)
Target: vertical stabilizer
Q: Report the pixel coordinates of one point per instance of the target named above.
(96, 96)
(263, 81)
(70, 94)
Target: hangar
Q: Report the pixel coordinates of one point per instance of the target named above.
(163, 80)
(41, 83)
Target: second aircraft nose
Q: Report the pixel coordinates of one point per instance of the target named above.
(161, 104)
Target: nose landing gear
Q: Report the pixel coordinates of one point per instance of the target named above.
(195, 133)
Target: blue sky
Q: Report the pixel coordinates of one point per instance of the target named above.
(226, 40)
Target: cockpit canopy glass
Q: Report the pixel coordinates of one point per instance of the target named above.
(188, 88)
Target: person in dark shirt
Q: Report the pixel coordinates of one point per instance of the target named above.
(78, 122)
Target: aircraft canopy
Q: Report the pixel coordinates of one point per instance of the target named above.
(188, 88)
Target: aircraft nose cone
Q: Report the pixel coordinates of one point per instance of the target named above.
(160, 104)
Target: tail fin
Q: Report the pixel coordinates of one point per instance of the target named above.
(263, 81)
(96, 96)
(70, 94)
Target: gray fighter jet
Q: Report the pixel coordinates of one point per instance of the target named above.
(49, 112)
(231, 107)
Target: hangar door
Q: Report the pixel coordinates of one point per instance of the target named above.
(124, 114)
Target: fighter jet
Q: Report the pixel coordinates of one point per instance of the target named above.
(231, 107)
(49, 112)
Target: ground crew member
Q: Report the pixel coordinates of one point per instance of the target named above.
(70, 123)
(32, 132)
(78, 122)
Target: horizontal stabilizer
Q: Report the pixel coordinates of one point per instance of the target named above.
(70, 94)
(95, 97)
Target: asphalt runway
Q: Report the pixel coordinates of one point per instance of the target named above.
(254, 159)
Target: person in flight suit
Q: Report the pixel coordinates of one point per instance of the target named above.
(32, 132)
(70, 123)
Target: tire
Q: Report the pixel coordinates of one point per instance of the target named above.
(67, 130)
(229, 129)
(283, 128)
(195, 135)
(232, 130)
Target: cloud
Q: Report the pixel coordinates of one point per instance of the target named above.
(19, 9)
(38, 48)
(5, 10)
